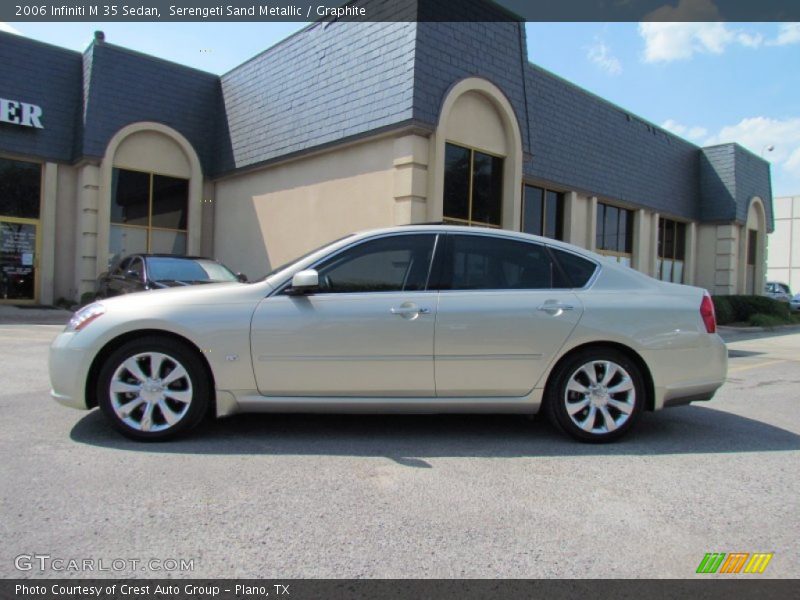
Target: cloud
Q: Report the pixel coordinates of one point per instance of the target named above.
(749, 40)
(601, 55)
(692, 133)
(758, 133)
(8, 28)
(788, 33)
(666, 42)
(670, 41)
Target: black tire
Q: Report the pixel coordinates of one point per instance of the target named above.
(557, 398)
(194, 385)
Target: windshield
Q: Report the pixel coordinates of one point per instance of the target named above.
(164, 268)
(306, 255)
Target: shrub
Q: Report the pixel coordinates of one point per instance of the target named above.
(723, 309)
(732, 309)
(759, 320)
(87, 298)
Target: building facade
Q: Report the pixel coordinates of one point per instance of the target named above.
(783, 261)
(341, 127)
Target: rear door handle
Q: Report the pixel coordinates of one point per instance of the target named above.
(555, 307)
(409, 310)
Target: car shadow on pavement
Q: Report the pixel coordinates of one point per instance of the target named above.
(409, 439)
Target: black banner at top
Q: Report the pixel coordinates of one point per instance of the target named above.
(399, 10)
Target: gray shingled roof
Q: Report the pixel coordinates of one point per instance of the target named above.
(126, 86)
(335, 81)
(328, 82)
(50, 77)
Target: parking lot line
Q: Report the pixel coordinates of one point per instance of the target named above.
(762, 364)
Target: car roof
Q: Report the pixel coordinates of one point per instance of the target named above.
(178, 256)
(444, 228)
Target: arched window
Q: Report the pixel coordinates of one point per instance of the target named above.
(149, 213)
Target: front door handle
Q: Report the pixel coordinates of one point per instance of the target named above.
(409, 310)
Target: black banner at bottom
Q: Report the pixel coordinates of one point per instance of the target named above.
(412, 589)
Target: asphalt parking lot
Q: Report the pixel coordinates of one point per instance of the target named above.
(388, 496)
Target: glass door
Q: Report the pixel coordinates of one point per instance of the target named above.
(18, 260)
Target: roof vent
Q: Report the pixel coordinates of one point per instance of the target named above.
(99, 37)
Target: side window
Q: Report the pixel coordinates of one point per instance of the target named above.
(137, 266)
(490, 263)
(577, 269)
(390, 264)
(122, 268)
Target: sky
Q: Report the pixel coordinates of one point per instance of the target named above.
(708, 82)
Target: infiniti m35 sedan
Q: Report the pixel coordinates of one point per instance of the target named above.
(414, 319)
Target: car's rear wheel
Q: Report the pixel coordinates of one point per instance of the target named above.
(596, 395)
(153, 389)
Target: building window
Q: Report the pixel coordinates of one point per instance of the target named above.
(615, 232)
(752, 249)
(148, 213)
(671, 250)
(20, 188)
(543, 212)
(20, 197)
(473, 187)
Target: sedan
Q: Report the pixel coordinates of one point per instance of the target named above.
(414, 319)
(141, 272)
(794, 303)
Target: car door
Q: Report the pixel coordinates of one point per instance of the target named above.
(367, 331)
(501, 316)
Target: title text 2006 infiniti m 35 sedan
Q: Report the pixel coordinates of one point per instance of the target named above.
(417, 319)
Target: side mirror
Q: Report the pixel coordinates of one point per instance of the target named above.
(132, 275)
(304, 282)
(242, 277)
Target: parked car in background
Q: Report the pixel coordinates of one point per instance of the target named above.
(141, 272)
(778, 291)
(794, 303)
(417, 319)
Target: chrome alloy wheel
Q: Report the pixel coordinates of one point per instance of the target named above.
(600, 396)
(150, 392)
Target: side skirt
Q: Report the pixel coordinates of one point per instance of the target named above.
(250, 401)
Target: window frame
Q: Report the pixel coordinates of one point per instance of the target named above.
(149, 228)
(433, 267)
(39, 199)
(469, 221)
(446, 258)
(661, 245)
(561, 196)
(629, 225)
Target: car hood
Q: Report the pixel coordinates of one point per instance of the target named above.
(231, 292)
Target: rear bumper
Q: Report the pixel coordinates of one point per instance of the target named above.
(686, 375)
(685, 396)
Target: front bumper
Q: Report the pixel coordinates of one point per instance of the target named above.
(68, 372)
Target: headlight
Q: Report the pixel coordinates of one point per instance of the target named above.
(85, 316)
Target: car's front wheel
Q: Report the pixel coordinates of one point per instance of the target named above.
(596, 395)
(153, 389)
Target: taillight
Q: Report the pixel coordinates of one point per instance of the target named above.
(707, 312)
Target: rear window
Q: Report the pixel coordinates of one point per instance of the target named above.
(579, 270)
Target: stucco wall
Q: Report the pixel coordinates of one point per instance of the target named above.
(783, 252)
(265, 218)
(66, 203)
